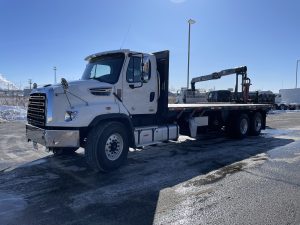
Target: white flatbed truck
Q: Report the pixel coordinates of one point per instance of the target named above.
(121, 102)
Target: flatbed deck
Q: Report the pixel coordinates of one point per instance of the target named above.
(217, 106)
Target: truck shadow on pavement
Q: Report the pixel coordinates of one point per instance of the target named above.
(64, 191)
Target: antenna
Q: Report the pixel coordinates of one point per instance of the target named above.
(125, 36)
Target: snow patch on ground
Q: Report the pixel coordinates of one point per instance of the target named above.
(291, 133)
(294, 159)
(222, 172)
(283, 111)
(275, 132)
(11, 113)
(292, 111)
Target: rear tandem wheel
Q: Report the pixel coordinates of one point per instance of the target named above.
(239, 127)
(256, 124)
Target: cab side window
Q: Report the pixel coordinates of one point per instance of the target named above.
(134, 70)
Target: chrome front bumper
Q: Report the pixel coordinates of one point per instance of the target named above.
(52, 138)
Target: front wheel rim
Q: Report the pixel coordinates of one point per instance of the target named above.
(114, 146)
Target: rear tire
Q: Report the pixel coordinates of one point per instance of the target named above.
(239, 127)
(107, 146)
(256, 124)
(283, 107)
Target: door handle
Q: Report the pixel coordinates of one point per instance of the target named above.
(152, 95)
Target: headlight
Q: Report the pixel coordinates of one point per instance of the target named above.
(70, 115)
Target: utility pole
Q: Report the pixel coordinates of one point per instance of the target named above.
(297, 72)
(190, 21)
(30, 82)
(54, 68)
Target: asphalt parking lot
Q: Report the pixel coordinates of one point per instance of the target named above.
(211, 180)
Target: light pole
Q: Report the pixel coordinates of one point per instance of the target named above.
(30, 82)
(54, 68)
(297, 72)
(190, 21)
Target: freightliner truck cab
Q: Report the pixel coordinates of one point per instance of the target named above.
(120, 102)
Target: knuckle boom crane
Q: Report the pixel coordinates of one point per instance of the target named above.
(238, 71)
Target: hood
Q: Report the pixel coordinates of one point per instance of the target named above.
(81, 85)
(79, 92)
(76, 86)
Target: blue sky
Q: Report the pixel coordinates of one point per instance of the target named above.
(36, 35)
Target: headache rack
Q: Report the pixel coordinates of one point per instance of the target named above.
(36, 114)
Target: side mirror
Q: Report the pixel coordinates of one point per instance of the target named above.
(146, 70)
(64, 84)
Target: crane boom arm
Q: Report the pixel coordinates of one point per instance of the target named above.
(218, 75)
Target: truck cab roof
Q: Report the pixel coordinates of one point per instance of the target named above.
(125, 51)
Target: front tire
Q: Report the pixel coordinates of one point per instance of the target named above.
(107, 146)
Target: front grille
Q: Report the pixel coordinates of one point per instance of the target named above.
(36, 114)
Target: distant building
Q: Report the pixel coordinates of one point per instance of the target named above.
(26, 92)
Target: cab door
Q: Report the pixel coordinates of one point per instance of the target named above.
(140, 86)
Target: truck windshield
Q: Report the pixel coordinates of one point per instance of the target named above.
(104, 68)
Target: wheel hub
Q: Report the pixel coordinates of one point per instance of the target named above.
(114, 147)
